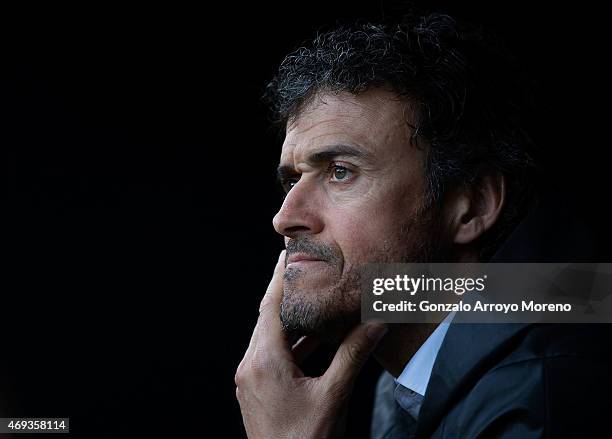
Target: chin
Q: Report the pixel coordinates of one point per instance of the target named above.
(303, 317)
(311, 280)
(320, 305)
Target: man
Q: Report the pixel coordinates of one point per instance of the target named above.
(403, 143)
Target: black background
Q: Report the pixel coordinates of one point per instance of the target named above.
(138, 190)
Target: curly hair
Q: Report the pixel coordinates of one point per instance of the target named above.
(470, 99)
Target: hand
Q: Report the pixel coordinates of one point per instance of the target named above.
(276, 399)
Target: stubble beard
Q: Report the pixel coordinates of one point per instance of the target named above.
(330, 313)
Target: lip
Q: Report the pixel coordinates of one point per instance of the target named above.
(300, 258)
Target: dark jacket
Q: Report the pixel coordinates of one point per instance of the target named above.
(515, 380)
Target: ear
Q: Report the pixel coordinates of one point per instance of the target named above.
(474, 210)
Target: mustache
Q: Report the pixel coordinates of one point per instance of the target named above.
(312, 248)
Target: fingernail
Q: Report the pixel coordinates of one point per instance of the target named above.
(376, 331)
(281, 257)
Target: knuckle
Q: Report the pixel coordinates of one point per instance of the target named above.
(355, 354)
(265, 304)
(252, 370)
(239, 376)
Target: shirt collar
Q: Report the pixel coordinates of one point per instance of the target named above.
(415, 375)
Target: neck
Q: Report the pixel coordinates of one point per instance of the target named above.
(402, 341)
(398, 346)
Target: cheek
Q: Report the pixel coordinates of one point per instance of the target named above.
(361, 235)
(363, 229)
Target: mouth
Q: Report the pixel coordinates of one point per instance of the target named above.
(301, 260)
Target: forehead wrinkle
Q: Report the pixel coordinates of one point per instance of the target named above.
(308, 151)
(339, 125)
(337, 136)
(358, 117)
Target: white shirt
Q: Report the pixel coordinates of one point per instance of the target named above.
(417, 372)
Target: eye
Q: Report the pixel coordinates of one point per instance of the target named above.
(340, 173)
(288, 184)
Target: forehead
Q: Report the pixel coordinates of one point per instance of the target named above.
(376, 120)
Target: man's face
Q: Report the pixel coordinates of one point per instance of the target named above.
(356, 190)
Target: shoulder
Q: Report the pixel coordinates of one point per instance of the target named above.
(554, 381)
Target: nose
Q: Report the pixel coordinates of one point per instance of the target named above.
(300, 213)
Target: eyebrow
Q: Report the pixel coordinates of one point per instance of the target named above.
(323, 156)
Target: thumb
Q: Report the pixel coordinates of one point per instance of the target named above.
(354, 352)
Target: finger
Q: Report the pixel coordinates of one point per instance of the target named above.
(275, 287)
(269, 330)
(354, 352)
(303, 348)
(279, 266)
